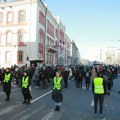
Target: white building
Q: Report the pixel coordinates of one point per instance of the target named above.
(67, 50)
(28, 31)
(75, 55)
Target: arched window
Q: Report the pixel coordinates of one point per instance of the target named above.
(10, 16)
(8, 56)
(1, 17)
(20, 56)
(9, 38)
(21, 37)
(21, 16)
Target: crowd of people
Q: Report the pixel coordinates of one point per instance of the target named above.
(56, 76)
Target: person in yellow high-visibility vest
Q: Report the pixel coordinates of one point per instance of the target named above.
(25, 84)
(7, 83)
(99, 90)
(57, 90)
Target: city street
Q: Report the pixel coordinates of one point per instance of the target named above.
(77, 105)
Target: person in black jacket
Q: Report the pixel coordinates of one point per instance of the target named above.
(25, 84)
(57, 90)
(7, 83)
(99, 90)
(87, 79)
(65, 77)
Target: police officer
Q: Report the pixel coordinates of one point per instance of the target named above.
(25, 84)
(99, 90)
(7, 83)
(57, 90)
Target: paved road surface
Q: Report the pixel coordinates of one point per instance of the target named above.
(77, 105)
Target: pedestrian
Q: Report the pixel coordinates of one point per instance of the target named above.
(36, 78)
(25, 84)
(109, 75)
(70, 74)
(57, 90)
(45, 77)
(7, 83)
(65, 77)
(1, 77)
(87, 79)
(99, 90)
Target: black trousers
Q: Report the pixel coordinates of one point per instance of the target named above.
(66, 82)
(8, 95)
(98, 98)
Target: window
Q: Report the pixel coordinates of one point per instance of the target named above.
(8, 57)
(20, 56)
(9, 38)
(41, 18)
(1, 17)
(20, 36)
(56, 58)
(52, 59)
(48, 26)
(47, 40)
(41, 37)
(56, 33)
(50, 42)
(40, 56)
(21, 15)
(10, 17)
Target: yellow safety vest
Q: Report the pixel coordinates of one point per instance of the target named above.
(24, 82)
(98, 83)
(57, 84)
(7, 77)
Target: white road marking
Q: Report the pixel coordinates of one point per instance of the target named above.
(57, 115)
(48, 116)
(34, 112)
(2, 102)
(11, 91)
(92, 103)
(19, 114)
(26, 117)
(7, 110)
(108, 108)
(41, 96)
(104, 119)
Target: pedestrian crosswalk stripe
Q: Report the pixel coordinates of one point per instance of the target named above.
(48, 116)
(41, 96)
(7, 110)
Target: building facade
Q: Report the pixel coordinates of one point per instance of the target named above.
(75, 56)
(28, 31)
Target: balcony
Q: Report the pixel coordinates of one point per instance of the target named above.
(51, 49)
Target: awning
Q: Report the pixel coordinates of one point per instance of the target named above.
(34, 62)
(38, 61)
